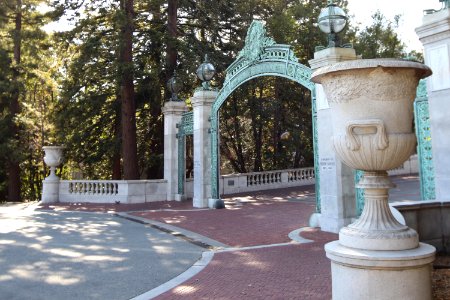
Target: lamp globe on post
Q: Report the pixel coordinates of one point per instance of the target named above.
(174, 86)
(332, 20)
(205, 73)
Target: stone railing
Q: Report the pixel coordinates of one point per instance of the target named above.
(140, 191)
(112, 191)
(411, 166)
(256, 181)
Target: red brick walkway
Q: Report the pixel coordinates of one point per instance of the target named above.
(284, 272)
(249, 225)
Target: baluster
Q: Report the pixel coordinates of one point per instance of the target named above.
(70, 187)
(117, 188)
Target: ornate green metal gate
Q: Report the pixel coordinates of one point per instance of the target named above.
(423, 133)
(424, 154)
(260, 57)
(185, 127)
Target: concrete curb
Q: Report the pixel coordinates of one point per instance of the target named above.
(296, 237)
(206, 258)
(188, 235)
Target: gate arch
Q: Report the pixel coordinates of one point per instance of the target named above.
(261, 56)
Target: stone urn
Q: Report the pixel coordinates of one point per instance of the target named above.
(372, 117)
(50, 186)
(53, 158)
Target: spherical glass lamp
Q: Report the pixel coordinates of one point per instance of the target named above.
(205, 73)
(332, 20)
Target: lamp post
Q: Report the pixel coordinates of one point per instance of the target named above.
(205, 73)
(174, 86)
(332, 20)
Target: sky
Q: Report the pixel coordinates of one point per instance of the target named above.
(362, 10)
(411, 12)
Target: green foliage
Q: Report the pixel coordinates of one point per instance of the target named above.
(69, 83)
(380, 39)
(32, 78)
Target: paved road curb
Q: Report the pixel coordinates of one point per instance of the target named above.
(206, 258)
(190, 236)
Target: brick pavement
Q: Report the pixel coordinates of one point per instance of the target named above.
(282, 272)
(251, 224)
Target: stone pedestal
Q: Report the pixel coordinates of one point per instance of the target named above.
(202, 102)
(172, 111)
(435, 37)
(364, 274)
(337, 192)
(50, 190)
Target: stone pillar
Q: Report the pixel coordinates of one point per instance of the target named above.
(202, 102)
(172, 111)
(337, 187)
(435, 37)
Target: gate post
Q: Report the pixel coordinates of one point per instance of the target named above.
(336, 183)
(172, 111)
(435, 37)
(202, 102)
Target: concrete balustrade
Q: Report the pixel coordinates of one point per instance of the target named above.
(112, 191)
(257, 181)
(141, 191)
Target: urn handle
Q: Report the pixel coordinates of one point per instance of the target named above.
(363, 127)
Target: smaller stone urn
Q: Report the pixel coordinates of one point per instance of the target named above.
(53, 158)
(50, 186)
(371, 101)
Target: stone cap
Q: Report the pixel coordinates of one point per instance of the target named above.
(422, 70)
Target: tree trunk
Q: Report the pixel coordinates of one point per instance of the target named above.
(129, 146)
(14, 183)
(116, 159)
(172, 53)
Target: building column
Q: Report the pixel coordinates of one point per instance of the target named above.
(337, 187)
(202, 102)
(435, 37)
(172, 111)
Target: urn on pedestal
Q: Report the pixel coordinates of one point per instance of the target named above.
(50, 186)
(372, 108)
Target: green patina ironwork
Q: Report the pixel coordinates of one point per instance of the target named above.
(261, 56)
(185, 127)
(424, 153)
(316, 152)
(359, 193)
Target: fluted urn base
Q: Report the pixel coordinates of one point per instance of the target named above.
(377, 228)
(376, 257)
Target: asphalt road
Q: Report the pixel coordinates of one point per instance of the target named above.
(70, 255)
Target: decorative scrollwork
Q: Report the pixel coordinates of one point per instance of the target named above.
(255, 42)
